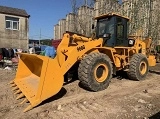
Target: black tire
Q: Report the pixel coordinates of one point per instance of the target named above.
(138, 68)
(95, 64)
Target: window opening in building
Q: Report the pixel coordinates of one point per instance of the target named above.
(12, 23)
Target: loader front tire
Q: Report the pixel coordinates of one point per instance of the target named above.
(138, 68)
(95, 71)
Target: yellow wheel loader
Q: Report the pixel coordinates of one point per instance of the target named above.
(111, 49)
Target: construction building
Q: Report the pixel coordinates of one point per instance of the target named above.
(143, 13)
(85, 20)
(56, 32)
(71, 22)
(62, 27)
(105, 6)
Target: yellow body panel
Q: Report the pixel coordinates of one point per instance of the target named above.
(151, 60)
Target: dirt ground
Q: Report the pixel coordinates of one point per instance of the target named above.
(123, 99)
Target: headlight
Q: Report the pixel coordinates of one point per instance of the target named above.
(131, 42)
(106, 35)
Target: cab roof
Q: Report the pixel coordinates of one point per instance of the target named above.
(109, 15)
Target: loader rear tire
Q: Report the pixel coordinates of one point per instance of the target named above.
(95, 71)
(138, 68)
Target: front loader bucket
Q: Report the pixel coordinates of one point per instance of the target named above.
(37, 78)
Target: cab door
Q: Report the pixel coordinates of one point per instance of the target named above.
(121, 32)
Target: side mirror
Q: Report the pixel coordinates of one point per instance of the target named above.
(107, 35)
(92, 26)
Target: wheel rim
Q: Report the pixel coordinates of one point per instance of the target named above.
(143, 67)
(101, 72)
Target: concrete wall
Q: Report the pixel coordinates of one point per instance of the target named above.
(14, 38)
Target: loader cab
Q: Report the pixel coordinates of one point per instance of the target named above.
(113, 29)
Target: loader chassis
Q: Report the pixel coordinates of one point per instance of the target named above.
(39, 78)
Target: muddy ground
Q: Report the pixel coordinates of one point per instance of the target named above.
(123, 99)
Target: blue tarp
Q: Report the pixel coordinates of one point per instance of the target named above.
(50, 51)
(43, 47)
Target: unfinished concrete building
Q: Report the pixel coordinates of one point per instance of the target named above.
(144, 15)
(105, 6)
(85, 20)
(71, 22)
(56, 32)
(62, 27)
(155, 15)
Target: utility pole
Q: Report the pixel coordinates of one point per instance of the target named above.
(40, 38)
